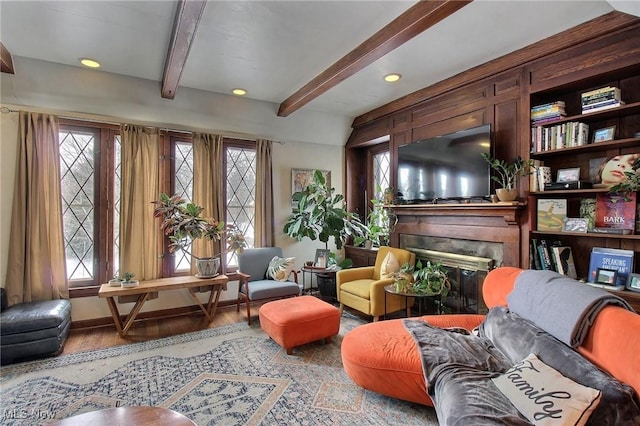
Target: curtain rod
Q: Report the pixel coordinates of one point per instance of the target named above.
(7, 110)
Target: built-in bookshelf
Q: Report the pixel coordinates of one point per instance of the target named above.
(616, 123)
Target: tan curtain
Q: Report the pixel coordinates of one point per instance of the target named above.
(36, 263)
(208, 190)
(264, 221)
(139, 231)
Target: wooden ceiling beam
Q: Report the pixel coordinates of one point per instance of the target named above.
(597, 27)
(188, 15)
(6, 62)
(412, 22)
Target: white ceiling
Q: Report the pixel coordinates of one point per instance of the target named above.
(273, 48)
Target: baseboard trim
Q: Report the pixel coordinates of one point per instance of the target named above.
(150, 315)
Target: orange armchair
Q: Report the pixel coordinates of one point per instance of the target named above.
(363, 288)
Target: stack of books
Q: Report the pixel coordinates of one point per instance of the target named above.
(600, 99)
(552, 111)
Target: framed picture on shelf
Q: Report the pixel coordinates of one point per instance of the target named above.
(568, 175)
(606, 276)
(322, 258)
(633, 282)
(604, 134)
(575, 224)
(301, 178)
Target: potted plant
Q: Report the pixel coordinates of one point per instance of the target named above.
(381, 222)
(128, 280)
(182, 222)
(508, 173)
(388, 195)
(320, 214)
(116, 281)
(428, 279)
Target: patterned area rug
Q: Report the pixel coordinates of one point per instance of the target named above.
(231, 375)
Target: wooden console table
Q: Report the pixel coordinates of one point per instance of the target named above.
(215, 286)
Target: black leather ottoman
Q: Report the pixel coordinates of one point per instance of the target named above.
(34, 330)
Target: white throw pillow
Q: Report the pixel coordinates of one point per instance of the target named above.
(389, 266)
(546, 397)
(280, 268)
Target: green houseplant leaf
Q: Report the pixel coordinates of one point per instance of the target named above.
(320, 214)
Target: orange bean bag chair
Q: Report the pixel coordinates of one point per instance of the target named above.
(383, 357)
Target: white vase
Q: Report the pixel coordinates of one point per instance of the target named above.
(207, 267)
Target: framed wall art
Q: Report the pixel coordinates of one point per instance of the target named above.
(301, 178)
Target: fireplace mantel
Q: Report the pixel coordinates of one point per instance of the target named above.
(490, 222)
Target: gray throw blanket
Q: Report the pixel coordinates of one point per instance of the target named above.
(563, 307)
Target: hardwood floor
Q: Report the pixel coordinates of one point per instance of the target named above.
(87, 339)
(104, 337)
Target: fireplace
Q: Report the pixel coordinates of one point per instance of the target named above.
(466, 274)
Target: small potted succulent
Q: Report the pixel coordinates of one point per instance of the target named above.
(116, 281)
(128, 280)
(508, 174)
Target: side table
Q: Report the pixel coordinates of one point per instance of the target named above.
(139, 416)
(325, 279)
(391, 289)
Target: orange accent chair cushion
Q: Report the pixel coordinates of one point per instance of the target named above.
(299, 320)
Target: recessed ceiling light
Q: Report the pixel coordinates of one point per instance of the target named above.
(390, 78)
(239, 92)
(87, 62)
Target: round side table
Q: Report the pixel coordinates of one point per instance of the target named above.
(391, 289)
(139, 416)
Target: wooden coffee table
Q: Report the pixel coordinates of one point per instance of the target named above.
(215, 285)
(139, 416)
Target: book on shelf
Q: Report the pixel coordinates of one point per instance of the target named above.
(613, 212)
(564, 135)
(601, 102)
(544, 251)
(608, 286)
(602, 93)
(551, 214)
(548, 112)
(609, 259)
(534, 180)
(588, 211)
(614, 231)
(547, 120)
(596, 108)
(551, 106)
(563, 258)
(534, 257)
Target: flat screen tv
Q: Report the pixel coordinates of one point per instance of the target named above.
(447, 167)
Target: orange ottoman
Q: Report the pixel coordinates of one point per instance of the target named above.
(295, 321)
